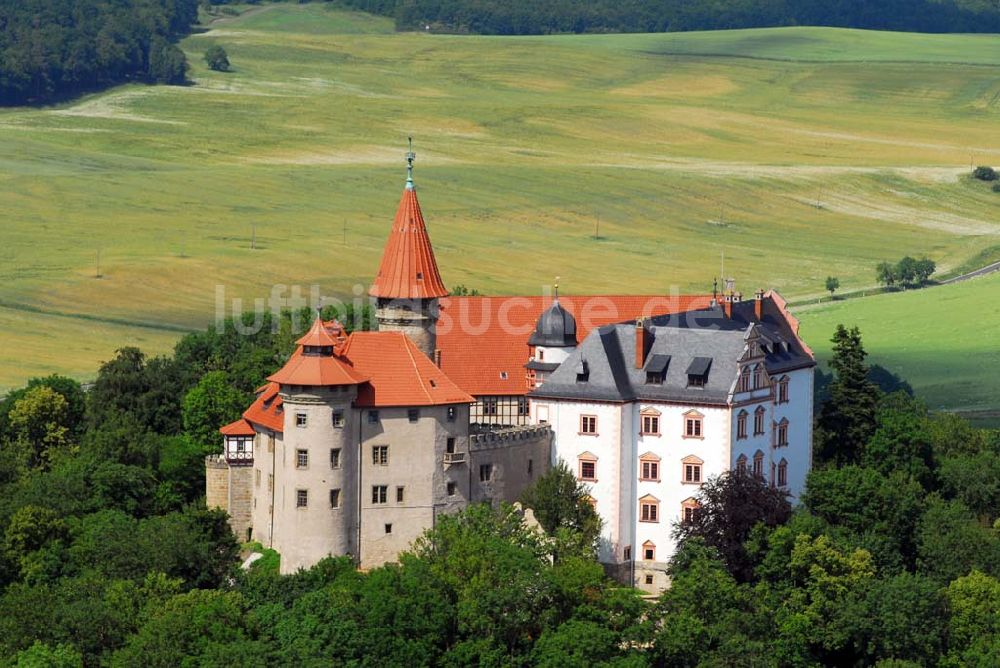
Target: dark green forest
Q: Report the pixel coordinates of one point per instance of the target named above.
(51, 49)
(533, 17)
(108, 556)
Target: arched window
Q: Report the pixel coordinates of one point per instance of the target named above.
(689, 510)
(649, 509)
(587, 467)
(649, 551)
(758, 376)
(758, 421)
(649, 467)
(741, 464)
(741, 424)
(691, 470)
(758, 464)
(781, 435)
(782, 473)
(744, 384)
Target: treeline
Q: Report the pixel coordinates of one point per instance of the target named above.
(529, 17)
(50, 49)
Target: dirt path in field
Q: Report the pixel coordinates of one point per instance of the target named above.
(222, 20)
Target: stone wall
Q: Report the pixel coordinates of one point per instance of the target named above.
(516, 457)
(231, 489)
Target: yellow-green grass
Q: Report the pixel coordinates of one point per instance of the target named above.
(785, 153)
(944, 340)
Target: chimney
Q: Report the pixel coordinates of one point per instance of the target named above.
(758, 305)
(727, 306)
(643, 339)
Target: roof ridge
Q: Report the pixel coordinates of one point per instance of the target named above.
(406, 344)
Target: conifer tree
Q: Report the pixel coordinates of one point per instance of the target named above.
(847, 419)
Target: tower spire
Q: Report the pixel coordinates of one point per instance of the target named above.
(410, 157)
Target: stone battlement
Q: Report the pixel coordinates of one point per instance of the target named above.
(508, 436)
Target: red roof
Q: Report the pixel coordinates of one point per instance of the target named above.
(266, 410)
(319, 334)
(408, 269)
(239, 428)
(484, 340)
(398, 373)
(318, 370)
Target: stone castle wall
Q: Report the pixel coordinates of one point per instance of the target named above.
(231, 489)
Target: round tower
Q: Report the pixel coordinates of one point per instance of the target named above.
(408, 284)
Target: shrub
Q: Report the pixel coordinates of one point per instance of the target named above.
(984, 173)
(217, 58)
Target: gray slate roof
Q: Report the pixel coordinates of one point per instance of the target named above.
(691, 340)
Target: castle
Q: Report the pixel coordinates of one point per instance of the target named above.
(359, 442)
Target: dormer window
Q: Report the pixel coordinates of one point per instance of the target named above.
(697, 371)
(582, 372)
(317, 351)
(656, 369)
(420, 275)
(653, 378)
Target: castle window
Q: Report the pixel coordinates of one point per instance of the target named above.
(758, 377)
(372, 417)
(782, 435)
(741, 424)
(420, 277)
(531, 466)
(399, 494)
(588, 425)
(649, 579)
(741, 464)
(301, 498)
(485, 472)
(522, 405)
(744, 384)
(758, 464)
(380, 455)
(451, 413)
(691, 470)
(300, 419)
(649, 551)
(413, 414)
(693, 425)
(540, 354)
(651, 425)
(270, 442)
(649, 467)
(449, 445)
(649, 509)
(256, 478)
(782, 473)
(654, 378)
(490, 406)
(689, 511)
(582, 371)
(301, 459)
(452, 488)
(335, 458)
(338, 419)
(696, 381)
(783, 390)
(758, 421)
(503, 375)
(587, 467)
(388, 528)
(335, 498)
(380, 494)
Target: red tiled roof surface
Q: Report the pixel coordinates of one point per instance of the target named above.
(319, 370)
(408, 269)
(239, 428)
(398, 373)
(484, 339)
(320, 334)
(266, 410)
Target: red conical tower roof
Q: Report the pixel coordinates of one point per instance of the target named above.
(408, 269)
(317, 335)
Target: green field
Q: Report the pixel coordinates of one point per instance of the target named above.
(945, 341)
(798, 152)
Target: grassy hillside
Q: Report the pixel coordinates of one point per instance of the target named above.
(774, 146)
(943, 340)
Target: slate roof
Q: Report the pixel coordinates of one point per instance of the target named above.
(696, 339)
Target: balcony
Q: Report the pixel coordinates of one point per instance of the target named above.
(454, 458)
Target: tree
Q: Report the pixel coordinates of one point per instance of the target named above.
(729, 507)
(923, 269)
(902, 440)
(951, 542)
(974, 619)
(39, 422)
(167, 64)
(885, 272)
(217, 59)
(563, 507)
(211, 404)
(832, 283)
(41, 655)
(984, 173)
(847, 419)
(975, 481)
(906, 270)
